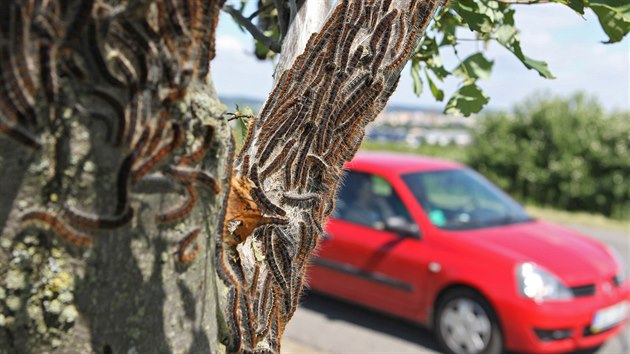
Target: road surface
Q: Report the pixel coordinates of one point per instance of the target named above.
(326, 325)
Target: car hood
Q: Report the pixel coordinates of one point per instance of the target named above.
(576, 259)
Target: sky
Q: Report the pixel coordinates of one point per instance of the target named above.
(569, 43)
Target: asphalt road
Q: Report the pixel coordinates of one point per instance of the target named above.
(326, 325)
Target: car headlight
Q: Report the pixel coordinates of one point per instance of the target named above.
(538, 284)
(622, 273)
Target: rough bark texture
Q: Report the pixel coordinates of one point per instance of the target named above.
(285, 178)
(112, 146)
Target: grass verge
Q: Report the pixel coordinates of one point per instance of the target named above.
(586, 219)
(454, 153)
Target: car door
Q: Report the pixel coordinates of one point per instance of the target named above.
(360, 259)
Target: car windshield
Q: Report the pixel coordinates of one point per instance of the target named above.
(462, 199)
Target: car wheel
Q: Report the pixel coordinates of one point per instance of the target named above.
(465, 323)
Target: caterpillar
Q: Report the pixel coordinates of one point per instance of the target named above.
(187, 248)
(86, 221)
(180, 212)
(52, 221)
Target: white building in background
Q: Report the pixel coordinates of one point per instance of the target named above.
(434, 119)
(445, 137)
(421, 127)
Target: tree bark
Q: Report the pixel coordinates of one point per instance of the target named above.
(286, 175)
(113, 150)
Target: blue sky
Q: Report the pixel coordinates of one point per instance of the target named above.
(571, 45)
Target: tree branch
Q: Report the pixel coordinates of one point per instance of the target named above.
(282, 17)
(252, 29)
(259, 11)
(293, 9)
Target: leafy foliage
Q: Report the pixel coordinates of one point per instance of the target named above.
(565, 153)
(614, 16)
(491, 20)
(468, 98)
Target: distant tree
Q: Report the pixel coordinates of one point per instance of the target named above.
(571, 153)
(125, 225)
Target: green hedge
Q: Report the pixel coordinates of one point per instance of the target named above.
(565, 153)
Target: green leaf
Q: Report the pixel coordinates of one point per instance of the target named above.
(470, 12)
(474, 67)
(576, 5)
(508, 17)
(427, 48)
(437, 92)
(243, 125)
(243, 114)
(435, 64)
(415, 76)
(447, 23)
(614, 18)
(507, 36)
(621, 6)
(261, 50)
(490, 9)
(467, 100)
(244, 111)
(538, 65)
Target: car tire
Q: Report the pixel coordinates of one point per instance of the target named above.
(465, 323)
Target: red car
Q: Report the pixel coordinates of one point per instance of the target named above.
(434, 242)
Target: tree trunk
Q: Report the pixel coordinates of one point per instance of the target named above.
(112, 135)
(113, 147)
(286, 175)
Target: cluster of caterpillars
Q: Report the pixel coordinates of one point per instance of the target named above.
(285, 177)
(126, 65)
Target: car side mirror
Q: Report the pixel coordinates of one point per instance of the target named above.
(402, 227)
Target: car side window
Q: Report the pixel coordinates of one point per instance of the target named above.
(369, 200)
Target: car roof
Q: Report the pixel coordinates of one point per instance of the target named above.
(399, 163)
